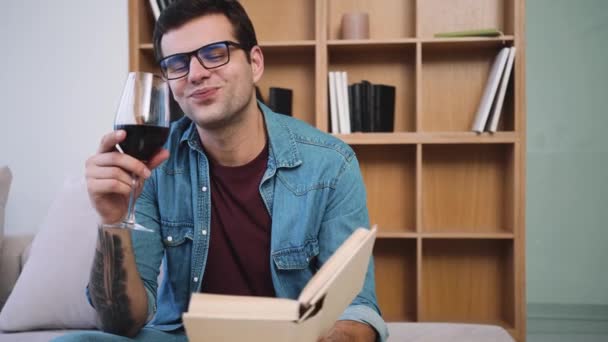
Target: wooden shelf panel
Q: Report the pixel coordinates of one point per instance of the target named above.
(468, 281)
(293, 69)
(394, 65)
(400, 13)
(395, 268)
(291, 20)
(467, 188)
(287, 43)
(469, 236)
(367, 44)
(401, 138)
(389, 173)
(459, 15)
(463, 236)
(453, 81)
(146, 62)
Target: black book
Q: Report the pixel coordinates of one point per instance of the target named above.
(355, 100)
(280, 100)
(384, 108)
(367, 105)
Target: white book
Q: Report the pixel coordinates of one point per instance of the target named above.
(155, 9)
(345, 118)
(501, 93)
(483, 111)
(339, 101)
(333, 103)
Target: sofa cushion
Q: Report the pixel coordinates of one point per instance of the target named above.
(50, 290)
(5, 185)
(447, 332)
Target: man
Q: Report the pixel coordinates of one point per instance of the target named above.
(245, 201)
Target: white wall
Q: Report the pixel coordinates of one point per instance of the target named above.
(62, 66)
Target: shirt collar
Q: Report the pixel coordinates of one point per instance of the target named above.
(282, 141)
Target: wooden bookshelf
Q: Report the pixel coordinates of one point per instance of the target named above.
(449, 203)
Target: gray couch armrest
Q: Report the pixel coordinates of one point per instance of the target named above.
(12, 258)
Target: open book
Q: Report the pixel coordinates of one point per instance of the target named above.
(324, 298)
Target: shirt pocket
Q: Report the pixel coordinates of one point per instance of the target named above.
(177, 239)
(296, 265)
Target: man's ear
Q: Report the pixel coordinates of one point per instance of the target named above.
(257, 63)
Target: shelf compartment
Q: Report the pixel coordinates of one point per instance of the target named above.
(385, 64)
(389, 173)
(456, 15)
(291, 20)
(293, 68)
(454, 77)
(147, 63)
(468, 281)
(394, 19)
(468, 188)
(395, 270)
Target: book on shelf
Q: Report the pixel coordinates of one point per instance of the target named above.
(354, 96)
(333, 103)
(212, 317)
(383, 112)
(367, 122)
(280, 100)
(155, 9)
(158, 6)
(484, 32)
(344, 113)
(493, 125)
(489, 93)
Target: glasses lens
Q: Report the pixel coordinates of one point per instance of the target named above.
(175, 66)
(214, 55)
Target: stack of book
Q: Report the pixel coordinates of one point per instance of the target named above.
(360, 107)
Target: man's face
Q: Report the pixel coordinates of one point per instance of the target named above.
(213, 98)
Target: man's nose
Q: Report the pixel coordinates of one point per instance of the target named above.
(197, 70)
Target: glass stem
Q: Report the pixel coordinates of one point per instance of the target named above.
(130, 219)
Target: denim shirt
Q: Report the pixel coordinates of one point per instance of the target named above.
(312, 189)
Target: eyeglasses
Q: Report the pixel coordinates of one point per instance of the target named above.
(210, 56)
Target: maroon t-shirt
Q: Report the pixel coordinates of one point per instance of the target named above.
(238, 262)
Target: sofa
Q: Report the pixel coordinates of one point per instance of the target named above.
(42, 278)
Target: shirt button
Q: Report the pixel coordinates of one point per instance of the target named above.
(195, 279)
(169, 238)
(204, 188)
(204, 232)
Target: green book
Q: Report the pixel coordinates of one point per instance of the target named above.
(488, 32)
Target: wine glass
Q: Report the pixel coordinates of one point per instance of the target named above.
(144, 114)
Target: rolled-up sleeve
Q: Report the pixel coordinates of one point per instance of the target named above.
(345, 212)
(148, 247)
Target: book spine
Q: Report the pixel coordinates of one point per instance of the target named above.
(501, 94)
(345, 118)
(333, 102)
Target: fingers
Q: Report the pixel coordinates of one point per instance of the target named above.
(127, 163)
(106, 173)
(110, 140)
(103, 186)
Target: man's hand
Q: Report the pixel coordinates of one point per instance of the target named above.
(109, 180)
(351, 331)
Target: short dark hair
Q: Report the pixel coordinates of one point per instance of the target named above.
(182, 11)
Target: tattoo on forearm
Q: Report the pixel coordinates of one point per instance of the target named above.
(108, 285)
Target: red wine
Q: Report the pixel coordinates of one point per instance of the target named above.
(143, 141)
